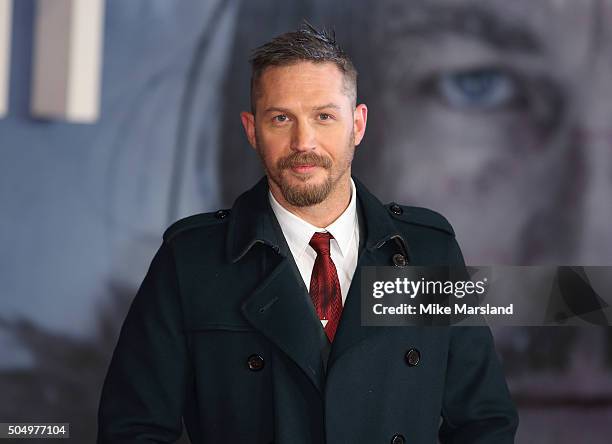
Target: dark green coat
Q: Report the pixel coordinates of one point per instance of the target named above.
(222, 332)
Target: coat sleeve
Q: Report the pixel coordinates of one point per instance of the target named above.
(144, 390)
(477, 407)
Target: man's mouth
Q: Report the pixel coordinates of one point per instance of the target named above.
(303, 168)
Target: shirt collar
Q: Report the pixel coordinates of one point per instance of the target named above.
(252, 221)
(298, 232)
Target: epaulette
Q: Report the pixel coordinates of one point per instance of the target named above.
(420, 216)
(194, 221)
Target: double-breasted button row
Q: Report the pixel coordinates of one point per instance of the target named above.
(412, 357)
(398, 438)
(255, 362)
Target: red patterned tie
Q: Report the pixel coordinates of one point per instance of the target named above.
(324, 284)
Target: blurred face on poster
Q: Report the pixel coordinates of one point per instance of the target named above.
(505, 123)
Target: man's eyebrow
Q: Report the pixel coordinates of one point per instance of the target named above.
(326, 106)
(470, 19)
(286, 110)
(277, 109)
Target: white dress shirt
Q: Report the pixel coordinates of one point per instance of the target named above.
(344, 246)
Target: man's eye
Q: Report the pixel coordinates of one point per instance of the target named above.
(280, 118)
(477, 89)
(325, 116)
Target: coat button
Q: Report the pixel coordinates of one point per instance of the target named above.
(399, 260)
(221, 214)
(398, 438)
(396, 209)
(412, 357)
(255, 363)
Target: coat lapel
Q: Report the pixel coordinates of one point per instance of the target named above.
(280, 307)
(378, 228)
(280, 310)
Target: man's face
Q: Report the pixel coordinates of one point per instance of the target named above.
(305, 130)
(498, 117)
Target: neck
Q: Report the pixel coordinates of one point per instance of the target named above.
(322, 214)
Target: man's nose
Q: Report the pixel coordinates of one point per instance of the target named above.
(303, 137)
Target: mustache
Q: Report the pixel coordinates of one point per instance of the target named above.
(301, 159)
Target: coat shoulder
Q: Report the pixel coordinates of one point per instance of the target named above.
(200, 220)
(420, 216)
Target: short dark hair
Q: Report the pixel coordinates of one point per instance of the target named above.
(305, 44)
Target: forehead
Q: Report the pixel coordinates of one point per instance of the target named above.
(475, 14)
(518, 25)
(301, 80)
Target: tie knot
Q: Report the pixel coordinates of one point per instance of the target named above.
(320, 243)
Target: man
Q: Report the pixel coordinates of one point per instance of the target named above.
(247, 325)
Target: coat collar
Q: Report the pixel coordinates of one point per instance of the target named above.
(251, 221)
(279, 307)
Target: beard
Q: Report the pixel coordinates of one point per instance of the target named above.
(306, 194)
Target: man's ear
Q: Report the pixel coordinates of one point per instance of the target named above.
(248, 122)
(360, 118)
